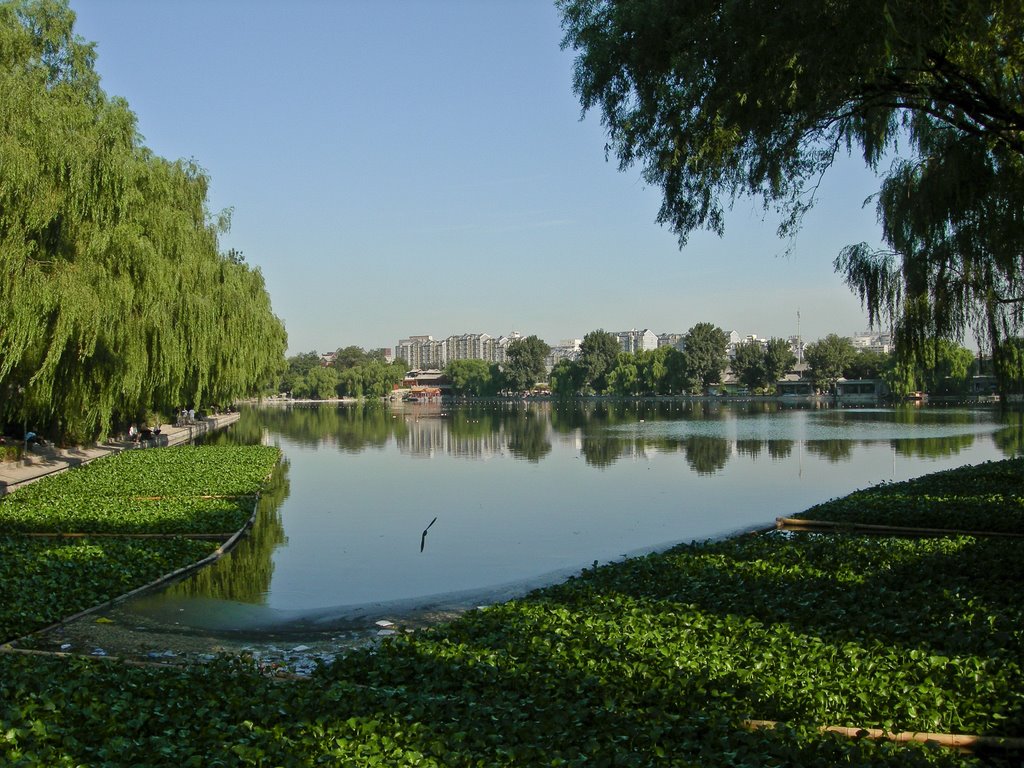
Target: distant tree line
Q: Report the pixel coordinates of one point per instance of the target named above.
(358, 373)
(700, 362)
(354, 372)
(713, 101)
(524, 367)
(117, 303)
(603, 368)
(940, 368)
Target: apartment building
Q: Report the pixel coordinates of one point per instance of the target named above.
(637, 341)
(873, 342)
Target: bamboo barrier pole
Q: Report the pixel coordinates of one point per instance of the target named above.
(804, 524)
(961, 741)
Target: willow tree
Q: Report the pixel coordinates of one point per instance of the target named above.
(716, 99)
(114, 295)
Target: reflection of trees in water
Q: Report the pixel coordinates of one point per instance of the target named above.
(244, 574)
(832, 450)
(527, 436)
(349, 427)
(248, 430)
(601, 451)
(474, 422)
(780, 449)
(1010, 439)
(932, 447)
(478, 430)
(707, 455)
(751, 448)
(906, 414)
(602, 446)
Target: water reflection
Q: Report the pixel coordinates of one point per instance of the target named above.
(351, 429)
(607, 432)
(707, 455)
(1010, 439)
(245, 575)
(380, 510)
(831, 450)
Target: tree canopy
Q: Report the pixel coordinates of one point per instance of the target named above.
(717, 99)
(472, 377)
(524, 363)
(115, 296)
(704, 348)
(829, 358)
(599, 353)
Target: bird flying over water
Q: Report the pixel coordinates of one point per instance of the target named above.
(423, 538)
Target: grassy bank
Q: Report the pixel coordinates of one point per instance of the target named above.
(659, 660)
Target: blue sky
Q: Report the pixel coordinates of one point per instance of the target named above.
(420, 167)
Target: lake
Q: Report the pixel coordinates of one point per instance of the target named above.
(408, 512)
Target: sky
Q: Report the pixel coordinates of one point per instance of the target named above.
(423, 168)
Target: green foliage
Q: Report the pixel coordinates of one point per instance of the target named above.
(867, 364)
(10, 452)
(371, 378)
(106, 514)
(115, 296)
(938, 367)
(715, 100)
(778, 359)
(829, 358)
(145, 492)
(704, 350)
(350, 357)
(567, 378)
(1011, 366)
(749, 366)
(182, 471)
(652, 370)
(246, 575)
(599, 352)
(623, 379)
(319, 383)
(988, 497)
(651, 661)
(524, 364)
(46, 580)
(472, 377)
(303, 362)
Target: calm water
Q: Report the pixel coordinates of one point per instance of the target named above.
(525, 494)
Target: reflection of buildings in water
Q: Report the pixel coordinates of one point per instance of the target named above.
(477, 447)
(423, 437)
(432, 435)
(464, 436)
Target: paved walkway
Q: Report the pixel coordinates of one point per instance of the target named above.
(43, 461)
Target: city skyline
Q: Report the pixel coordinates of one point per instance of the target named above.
(383, 179)
(562, 340)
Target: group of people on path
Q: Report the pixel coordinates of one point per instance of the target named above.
(146, 433)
